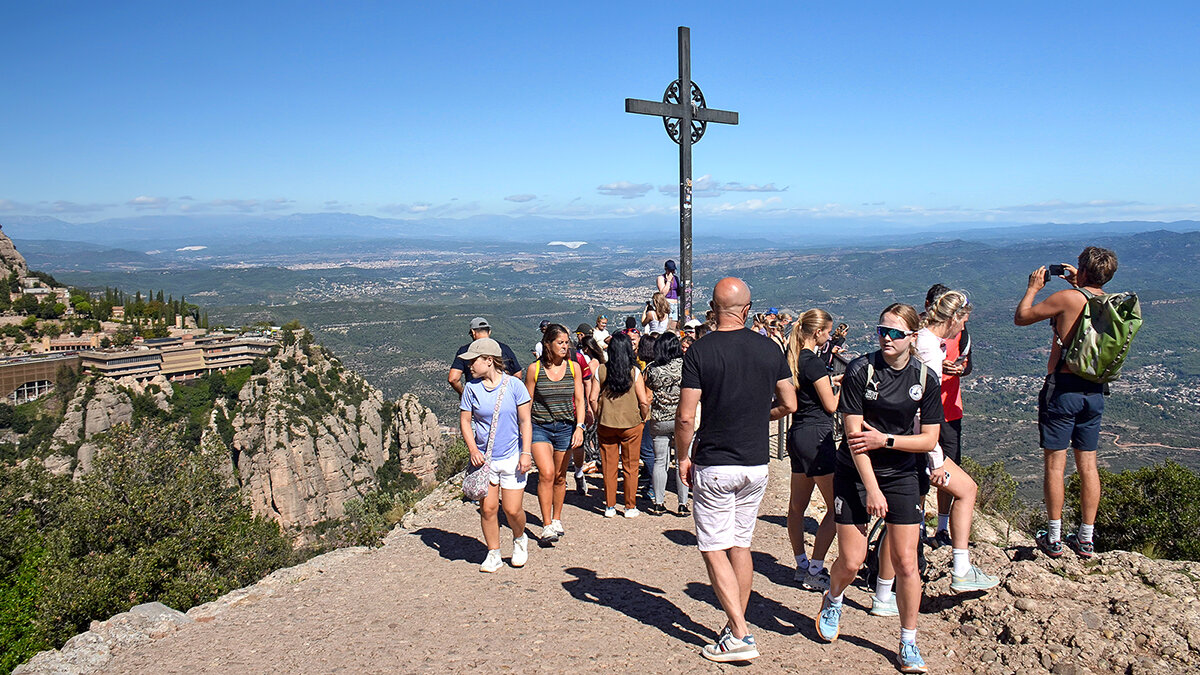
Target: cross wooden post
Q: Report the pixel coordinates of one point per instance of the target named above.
(685, 117)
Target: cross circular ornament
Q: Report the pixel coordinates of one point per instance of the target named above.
(671, 96)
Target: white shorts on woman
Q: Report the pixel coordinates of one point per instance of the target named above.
(505, 474)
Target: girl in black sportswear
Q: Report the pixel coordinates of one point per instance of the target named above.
(810, 443)
(877, 469)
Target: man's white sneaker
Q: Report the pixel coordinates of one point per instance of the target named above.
(520, 551)
(492, 562)
(632, 513)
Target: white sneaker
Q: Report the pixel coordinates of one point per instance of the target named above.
(610, 512)
(632, 513)
(520, 551)
(558, 528)
(492, 562)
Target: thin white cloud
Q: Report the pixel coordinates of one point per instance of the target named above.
(9, 206)
(144, 202)
(520, 198)
(707, 186)
(426, 209)
(1059, 205)
(625, 189)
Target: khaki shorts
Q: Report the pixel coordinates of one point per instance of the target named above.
(725, 502)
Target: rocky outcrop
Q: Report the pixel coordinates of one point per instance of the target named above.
(10, 258)
(97, 406)
(89, 652)
(309, 436)
(1120, 612)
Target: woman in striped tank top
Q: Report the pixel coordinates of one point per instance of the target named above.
(555, 384)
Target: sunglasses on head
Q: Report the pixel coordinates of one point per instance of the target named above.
(892, 333)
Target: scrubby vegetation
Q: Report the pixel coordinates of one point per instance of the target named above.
(153, 521)
(1154, 510)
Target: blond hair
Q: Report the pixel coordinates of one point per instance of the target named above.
(946, 307)
(661, 307)
(807, 326)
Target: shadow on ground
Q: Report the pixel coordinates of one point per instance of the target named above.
(639, 602)
(452, 545)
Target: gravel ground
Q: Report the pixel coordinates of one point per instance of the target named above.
(612, 595)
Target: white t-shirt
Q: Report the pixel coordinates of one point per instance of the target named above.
(931, 350)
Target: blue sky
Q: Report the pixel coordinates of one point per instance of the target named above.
(914, 113)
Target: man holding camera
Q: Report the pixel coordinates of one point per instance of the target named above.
(1069, 407)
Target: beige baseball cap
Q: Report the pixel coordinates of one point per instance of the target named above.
(481, 347)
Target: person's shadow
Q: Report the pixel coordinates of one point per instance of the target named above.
(452, 545)
(638, 601)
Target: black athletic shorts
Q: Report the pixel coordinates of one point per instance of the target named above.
(951, 440)
(810, 447)
(905, 502)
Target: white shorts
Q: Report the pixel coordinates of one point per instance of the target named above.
(674, 305)
(725, 502)
(504, 473)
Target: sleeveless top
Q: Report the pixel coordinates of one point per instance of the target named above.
(673, 289)
(620, 412)
(657, 326)
(554, 401)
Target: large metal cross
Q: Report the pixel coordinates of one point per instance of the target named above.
(685, 117)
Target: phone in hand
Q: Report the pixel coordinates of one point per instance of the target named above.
(1055, 271)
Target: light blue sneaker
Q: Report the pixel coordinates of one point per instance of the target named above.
(973, 580)
(882, 607)
(909, 659)
(829, 619)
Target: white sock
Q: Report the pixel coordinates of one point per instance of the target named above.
(521, 539)
(962, 561)
(883, 589)
(1054, 530)
(802, 561)
(908, 635)
(579, 472)
(837, 600)
(815, 566)
(1085, 532)
(943, 522)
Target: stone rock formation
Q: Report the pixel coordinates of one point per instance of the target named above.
(303, 451)
(10, 258)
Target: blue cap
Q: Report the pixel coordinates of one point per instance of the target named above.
(773, 310)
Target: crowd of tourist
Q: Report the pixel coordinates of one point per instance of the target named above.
(873, 440)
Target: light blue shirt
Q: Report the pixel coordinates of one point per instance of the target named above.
(481, 401)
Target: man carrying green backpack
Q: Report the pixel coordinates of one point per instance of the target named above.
(1092, 332)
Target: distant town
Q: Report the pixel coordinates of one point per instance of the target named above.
(48, 327)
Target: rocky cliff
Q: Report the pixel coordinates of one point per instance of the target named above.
(10, 258)
(308, 436)
(305, 435)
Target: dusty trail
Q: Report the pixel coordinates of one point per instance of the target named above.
(612, 595)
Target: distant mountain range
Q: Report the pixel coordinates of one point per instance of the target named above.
(297, 233)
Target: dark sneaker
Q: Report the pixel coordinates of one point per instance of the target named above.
(683, 510)
(728, 648)
(1053, 549)
(909, 659)
(940, 538)
(1084, 549)
(816, 582)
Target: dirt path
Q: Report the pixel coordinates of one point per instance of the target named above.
(613, 595)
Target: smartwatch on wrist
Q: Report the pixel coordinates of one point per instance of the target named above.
(890, 442)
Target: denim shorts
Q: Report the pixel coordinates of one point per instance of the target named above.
(557, 434)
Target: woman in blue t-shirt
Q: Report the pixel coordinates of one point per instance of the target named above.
(810, 443)
(496, 406)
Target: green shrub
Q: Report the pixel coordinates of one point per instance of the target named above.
(452, 459)
(997, 487)
(1153, 510)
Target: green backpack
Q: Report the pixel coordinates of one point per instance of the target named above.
(1105, 333)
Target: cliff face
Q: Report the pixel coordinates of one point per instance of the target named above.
(10, 258)
(308, 436)
(305, 437)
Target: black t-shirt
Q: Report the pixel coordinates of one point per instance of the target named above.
(900, 397)
(510, 360)
(808, 402)
(736, 372)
